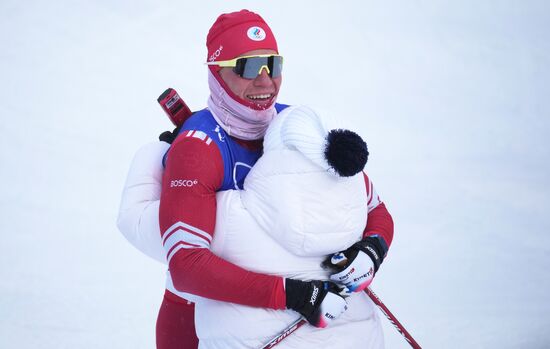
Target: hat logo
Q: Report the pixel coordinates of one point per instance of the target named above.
(256, 33)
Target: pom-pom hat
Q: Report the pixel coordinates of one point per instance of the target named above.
(235, 33)
(299, 127)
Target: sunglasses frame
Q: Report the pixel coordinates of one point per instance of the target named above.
(232, 63)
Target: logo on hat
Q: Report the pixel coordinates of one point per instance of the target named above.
(256, 33)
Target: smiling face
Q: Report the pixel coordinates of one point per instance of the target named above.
(261, 91)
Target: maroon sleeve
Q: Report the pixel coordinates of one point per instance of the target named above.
(379, 220)
(193, 174)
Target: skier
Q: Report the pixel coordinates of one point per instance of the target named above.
(214, 153)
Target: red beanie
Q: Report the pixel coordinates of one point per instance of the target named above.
(236, 33)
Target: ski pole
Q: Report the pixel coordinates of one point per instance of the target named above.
(301, 321)
(392, 319)
(285, 333)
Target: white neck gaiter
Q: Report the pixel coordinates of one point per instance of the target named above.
(236, 119)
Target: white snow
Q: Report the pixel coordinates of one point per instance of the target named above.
(451, 96)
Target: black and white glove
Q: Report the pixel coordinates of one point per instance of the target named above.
(320, 302)
(168, 136)
(355, 267)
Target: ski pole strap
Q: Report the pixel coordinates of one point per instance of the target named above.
(392, 319)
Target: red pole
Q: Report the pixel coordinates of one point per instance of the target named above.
(285, 333)
(392, 319)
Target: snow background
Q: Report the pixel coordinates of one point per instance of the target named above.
(451, 96)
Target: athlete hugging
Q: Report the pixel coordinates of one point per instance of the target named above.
(262, 212)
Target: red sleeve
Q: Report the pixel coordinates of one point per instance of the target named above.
(193, 174)
(379, 220)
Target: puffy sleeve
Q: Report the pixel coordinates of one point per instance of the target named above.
(138, 216)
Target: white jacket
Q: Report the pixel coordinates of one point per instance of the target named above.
(291, 214)
(138, 215)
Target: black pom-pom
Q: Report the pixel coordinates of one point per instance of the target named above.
(346, 152)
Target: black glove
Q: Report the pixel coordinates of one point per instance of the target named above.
(355, 267)
(168, 136)
(320, 302)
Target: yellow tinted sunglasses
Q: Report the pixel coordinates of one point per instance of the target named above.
(249, 67)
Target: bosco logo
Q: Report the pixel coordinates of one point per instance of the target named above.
(183, 183)
(216, 54)
(256, 33)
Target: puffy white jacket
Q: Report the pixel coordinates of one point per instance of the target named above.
(138, 215)
(292, 213)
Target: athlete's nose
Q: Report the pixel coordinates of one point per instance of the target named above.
(263, 79)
